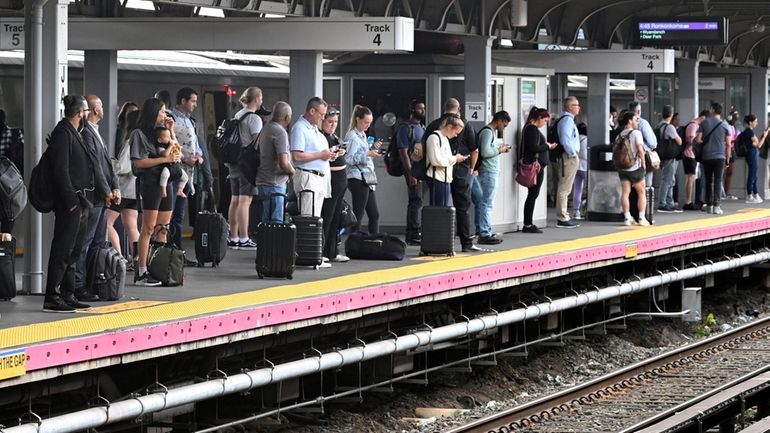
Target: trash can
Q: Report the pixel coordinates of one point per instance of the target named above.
(604, 188)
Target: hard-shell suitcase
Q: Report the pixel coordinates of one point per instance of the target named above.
(210, 234)
(439, 224)
(310, 239)
(276, 249)
(7, 269)
(649, 212)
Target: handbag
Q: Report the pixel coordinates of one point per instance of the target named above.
(526, 174)
(122, 164)
(369, 177)
(652, 160)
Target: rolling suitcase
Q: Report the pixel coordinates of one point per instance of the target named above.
(210, 234)
(439, 224)
(7, 269)
(105, 269)
(276, 250)
(310, 238)
(649, 212)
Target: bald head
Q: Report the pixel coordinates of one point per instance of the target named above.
(452, 105)
(282, 113)
(96, 112)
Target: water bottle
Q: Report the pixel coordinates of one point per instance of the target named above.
(370, 139)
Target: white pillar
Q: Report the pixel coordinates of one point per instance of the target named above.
(598, 116)
(758, 92)
(305, 78)
(478, 78)
(100, 77)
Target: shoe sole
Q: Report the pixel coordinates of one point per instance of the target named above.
(47, 310)
(566, 227)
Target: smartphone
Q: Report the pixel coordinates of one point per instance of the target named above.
(382, 150)
(343, 144)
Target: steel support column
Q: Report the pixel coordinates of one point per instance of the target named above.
(478, 77)
(599, 113)
(100, 77)
(305, 78)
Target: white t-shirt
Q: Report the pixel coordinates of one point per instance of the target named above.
(250, 125)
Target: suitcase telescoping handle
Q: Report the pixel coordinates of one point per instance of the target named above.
(208, 195)
(299, 201)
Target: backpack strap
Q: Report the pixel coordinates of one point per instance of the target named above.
(480, 158)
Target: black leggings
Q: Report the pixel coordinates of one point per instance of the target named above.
(532, 193)
(712, 169)
(331, 213)
(364, 198)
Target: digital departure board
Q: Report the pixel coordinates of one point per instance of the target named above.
(668, 32)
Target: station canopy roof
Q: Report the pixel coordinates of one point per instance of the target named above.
(439, 24)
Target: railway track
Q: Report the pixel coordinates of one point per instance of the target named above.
(635, 397)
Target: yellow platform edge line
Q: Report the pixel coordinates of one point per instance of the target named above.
(174, 311)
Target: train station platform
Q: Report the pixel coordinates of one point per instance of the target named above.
(229, 303)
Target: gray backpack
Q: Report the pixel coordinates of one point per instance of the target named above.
(13, 192)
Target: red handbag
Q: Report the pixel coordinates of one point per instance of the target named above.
(526, 174)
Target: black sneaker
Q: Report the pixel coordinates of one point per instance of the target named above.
(414, 242)
(691, 206)
(57, 305)
(489, 240)
(147, 281)
(86, 296)
(248, 245)
(531, 229)
(189, 263)
(73, 302)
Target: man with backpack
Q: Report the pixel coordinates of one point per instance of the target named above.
(650, 141)
(569, 139)
(406, 135)
(669, 148)
(487, 169)
(76, 182)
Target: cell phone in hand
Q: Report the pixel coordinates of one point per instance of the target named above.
(382, 150)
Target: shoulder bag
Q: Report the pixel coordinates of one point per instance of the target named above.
(526, 174)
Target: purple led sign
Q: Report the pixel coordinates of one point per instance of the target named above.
(679, 26)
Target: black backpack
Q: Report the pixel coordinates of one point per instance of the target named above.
(393, 164)
(13, 192)
(229, 139)
(667, 147)
(41, 185)
(742, 144)
(553, 137)
(248, 162)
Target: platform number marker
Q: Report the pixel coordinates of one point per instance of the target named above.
(474, 111)
(11, 36)
(378, 30)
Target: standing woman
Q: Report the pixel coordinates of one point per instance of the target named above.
(128, 209)
(440, 160)
(360, 172)
(156, 210)
(534, 147)
(633, 176)
(332, 208)
(752, 156)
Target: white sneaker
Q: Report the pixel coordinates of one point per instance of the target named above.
(629, 222)
(325, 259)
(341, 259)
(717, 210)
(643, 222)
(325, 265)
(758, 199)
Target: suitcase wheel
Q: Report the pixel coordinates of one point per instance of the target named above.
(259, 274)
(214, 264)
(289, 276)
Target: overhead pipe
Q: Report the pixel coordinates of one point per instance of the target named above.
(135, 407)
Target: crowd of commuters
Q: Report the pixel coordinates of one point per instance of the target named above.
(160, 163)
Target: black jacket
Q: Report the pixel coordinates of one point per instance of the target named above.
(92, 141)
(78, 179)
(464, 144)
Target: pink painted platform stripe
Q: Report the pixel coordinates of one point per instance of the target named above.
(120, 342)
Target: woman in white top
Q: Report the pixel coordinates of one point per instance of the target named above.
(440, 160)
(633, 176)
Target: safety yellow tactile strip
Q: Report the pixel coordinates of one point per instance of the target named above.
(35, 333)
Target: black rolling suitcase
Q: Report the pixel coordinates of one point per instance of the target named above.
(649, 212)
(7, 269)
(210, 234)
(439, 224)
(105, 268)
(310, 239)
(276, 250)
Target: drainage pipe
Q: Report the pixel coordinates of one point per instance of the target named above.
(134, 407)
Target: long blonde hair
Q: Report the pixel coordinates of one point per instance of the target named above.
(358, 112)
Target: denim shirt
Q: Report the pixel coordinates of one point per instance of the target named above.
(568, 135)
(356, 157)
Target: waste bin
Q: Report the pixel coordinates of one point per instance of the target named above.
(604, 188)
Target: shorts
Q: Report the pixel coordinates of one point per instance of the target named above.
(126, 203)
(240, 186)
(634, 176)
(690, 165)
(151, 199)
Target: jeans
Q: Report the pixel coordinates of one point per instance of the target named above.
(488, 187)
(94, 229)
(577, 189)
(68, 232)
(177, 215)
(272, 206)
(364, 199)
(712, 168)
(532, 193)
(477, 198)
(667, 180)
(753, 165)
(413, 227)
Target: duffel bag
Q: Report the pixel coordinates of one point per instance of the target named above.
(378, 246)
(166, 264)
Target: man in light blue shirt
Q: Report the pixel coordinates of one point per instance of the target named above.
(570, 141)
(650, 142)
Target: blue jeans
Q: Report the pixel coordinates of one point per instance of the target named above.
(272, 206)
(488, 185)
(177, 215)
(477, 197)
(753, 163)
(667, 180)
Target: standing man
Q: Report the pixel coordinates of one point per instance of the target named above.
(668, 136)
(463, 144)
(689, 163)
(192, 156)
(274, 166)
(488, 168)
(716, 141)
(650, 141)
(570, 140)
(311, 155)
(406, 135)
(95, 229)
(78, 181)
